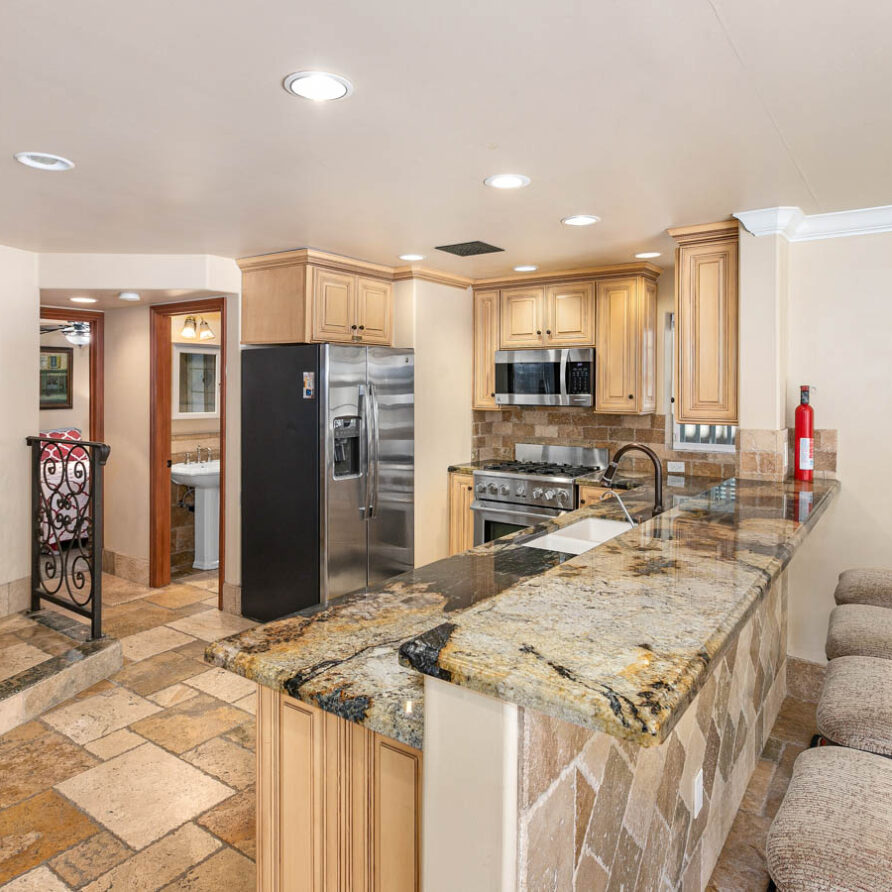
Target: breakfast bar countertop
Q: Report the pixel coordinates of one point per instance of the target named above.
(619, 638)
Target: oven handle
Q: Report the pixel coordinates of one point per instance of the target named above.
(500, 509)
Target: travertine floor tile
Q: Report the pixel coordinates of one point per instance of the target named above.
(176, 693)
(244, 735)
(33, 831)
(249, 703)
(226, 870)
(94, 717)
(154, 641)
(185, 725)
(114, 744)
(158, 864)
(117, 590)
(195, 651)
(223, 685)
(233, 821)
(90, 859)
(134, 617)
(37, 763)
(41, 879)
(177, 595)
(143, 794)
(212, 624)
(157, 672)
(224, 760)
(19, 657)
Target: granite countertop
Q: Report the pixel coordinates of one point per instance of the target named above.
(619, 638)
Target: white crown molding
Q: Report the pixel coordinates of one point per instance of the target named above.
(796, 226)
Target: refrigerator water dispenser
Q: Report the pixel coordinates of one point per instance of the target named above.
(345, 442)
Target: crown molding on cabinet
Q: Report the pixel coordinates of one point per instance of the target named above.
(319, 259)
(795, 226)
(431, 275)
(641, 268)
(724, 230)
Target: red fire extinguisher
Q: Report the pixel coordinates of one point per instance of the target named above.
(804, 443)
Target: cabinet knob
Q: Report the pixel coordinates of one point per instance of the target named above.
(493, 395)
(353, 327)
(547, 331)
(631, 396)
(362, 328)
(538, 331)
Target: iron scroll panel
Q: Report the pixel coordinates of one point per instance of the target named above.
(67, 525)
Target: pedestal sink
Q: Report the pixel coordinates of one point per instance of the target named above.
(204, 477)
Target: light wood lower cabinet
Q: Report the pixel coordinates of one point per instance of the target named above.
(338, 806)
(591, 495)
(461, 517)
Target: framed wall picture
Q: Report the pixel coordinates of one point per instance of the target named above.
(55, 377)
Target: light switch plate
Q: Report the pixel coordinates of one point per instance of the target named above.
(675, 467)
(698, 792)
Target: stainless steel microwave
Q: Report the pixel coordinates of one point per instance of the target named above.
(561, 377)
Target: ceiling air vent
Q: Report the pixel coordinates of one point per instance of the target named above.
(469, 249)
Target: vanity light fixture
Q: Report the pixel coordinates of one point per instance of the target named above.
(129, 295)
(647, 255)
(526, 268)
(205, 332)
(411, 258)
(318, 86)
(82, 300)
(43, 161)
(188, 329)
(507, 181)
(581, 220)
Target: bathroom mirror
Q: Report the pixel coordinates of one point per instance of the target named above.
(196, 381)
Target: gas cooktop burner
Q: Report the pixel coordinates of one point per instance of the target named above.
(542, 469)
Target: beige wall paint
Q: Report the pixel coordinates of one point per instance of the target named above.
(79, 413)
(19, 401)
(840, 326)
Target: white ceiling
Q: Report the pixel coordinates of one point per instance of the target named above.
(646, 112)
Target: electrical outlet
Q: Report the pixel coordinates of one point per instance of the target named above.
(698, 792)
(675, 467)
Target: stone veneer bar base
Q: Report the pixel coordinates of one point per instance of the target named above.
(66, 671)
(596, 811)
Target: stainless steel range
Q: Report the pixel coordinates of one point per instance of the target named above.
(538, 484)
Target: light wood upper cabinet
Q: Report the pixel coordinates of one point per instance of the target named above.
(301, 297)
(461, 517)
(486, 342)
(706, 324)
(522, 314)
(569, 314)
(626, 346)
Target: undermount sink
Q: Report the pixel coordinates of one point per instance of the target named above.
(581, 536)
(205, 478)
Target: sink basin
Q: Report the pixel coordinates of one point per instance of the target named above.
(205, 478)
(581, 536)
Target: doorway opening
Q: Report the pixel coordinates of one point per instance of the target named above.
(187, 441)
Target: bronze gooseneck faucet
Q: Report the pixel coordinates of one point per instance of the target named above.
(610, 473)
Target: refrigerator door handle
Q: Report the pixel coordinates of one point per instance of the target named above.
(365, 448)
(375, 453)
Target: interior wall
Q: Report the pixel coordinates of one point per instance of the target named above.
(840, 322)
(79, 413)
(19, 409)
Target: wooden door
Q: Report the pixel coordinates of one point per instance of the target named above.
(706, 333)
(334, 307)
(374, 311)
(522, 312)
(486, 342)
(461, 517)
(617, 369)
(570, 315)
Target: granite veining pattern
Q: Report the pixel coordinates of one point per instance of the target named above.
(617, 639)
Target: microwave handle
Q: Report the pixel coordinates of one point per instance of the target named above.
(565, 384)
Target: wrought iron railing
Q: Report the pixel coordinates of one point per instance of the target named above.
(66, 525)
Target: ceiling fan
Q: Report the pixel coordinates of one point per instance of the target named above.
(77, 333)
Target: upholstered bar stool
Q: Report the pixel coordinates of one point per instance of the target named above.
(867, 585)
(860, 630)
(833, 831)
(855, 708)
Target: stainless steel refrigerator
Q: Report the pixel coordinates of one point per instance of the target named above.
(327, 473)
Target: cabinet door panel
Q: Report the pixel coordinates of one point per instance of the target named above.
(486, 342)
(647, 348)
(374, 311)
(570, 314)
(590, 495)
(522, 313)
(616, 357)
(706, 334)
(333, 306)
(461, 517)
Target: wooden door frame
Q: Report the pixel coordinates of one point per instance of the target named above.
(161, 373)
(97, 361)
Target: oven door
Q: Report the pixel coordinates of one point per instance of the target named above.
(492, 520)
(563, 377)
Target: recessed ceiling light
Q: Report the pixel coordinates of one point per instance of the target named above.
(647, 255)
(526, 268)
(83, 300)
(411, 257)
(507, 181)
(43, 161)
(128, 295)
(320, 86)
(581, 220)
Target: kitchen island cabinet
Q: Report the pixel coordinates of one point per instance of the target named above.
(461, 517)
